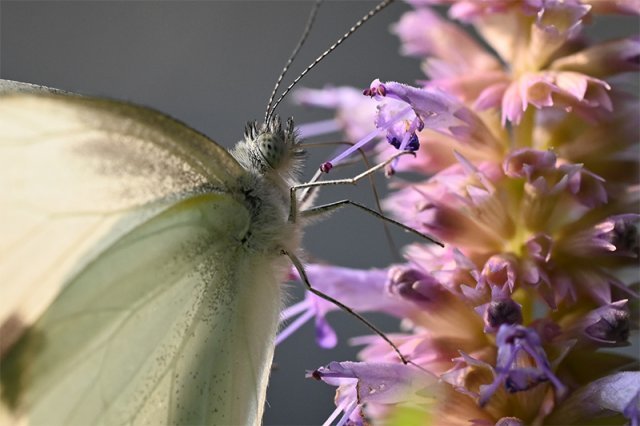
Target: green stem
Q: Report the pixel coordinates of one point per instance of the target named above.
(527, 301)
(523, 132)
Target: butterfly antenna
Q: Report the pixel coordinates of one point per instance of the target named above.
(305, 34)
(346, 35)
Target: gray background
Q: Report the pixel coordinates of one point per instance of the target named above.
(212, 64)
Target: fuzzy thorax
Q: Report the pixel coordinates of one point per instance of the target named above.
(272, 156)
(270, 147)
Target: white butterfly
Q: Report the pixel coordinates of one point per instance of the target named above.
(155, 239)
(131, 248)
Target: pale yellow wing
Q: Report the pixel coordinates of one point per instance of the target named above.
(172, 324)
(76, 174)
(127, 296)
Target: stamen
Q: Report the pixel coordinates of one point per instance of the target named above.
(351, 149)
(347, 413)
(333, 415)
(384, 126)
(294, 309)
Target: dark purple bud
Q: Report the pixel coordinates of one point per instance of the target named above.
(500, 312)
(609, 324)
(625, 236)
(393, 141)
(367, 92)
(326, 167)
(413, 285)
(414, 143)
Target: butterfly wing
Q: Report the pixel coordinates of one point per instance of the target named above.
(155, 331)
(139, 303)
(77, 173)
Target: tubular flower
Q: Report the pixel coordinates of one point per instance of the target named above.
(541, 61)
(527, 167)
(378, 386)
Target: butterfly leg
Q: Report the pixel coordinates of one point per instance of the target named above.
(303, 276)
(305, 197)
(293, 206)
(325, 208)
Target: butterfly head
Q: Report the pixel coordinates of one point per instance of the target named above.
(270, 147)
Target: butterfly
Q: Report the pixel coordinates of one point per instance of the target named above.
(161, 250)
(163, 210)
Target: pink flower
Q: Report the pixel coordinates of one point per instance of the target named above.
(456, 63)
(527, 167)
(568, 89)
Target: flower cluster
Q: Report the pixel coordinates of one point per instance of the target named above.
(530, 164)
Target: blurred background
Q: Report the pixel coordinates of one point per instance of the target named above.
(212, 65)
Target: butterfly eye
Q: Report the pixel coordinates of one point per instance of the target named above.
(272, 150)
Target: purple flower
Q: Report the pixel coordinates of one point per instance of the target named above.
(605, 326)
(501, 309)
(617, 393)
(374, 384)
(521, 363)
(632, 409)
(617, 235)
(402, 112)
(361, 289)
(609, 325)
(415, 286)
